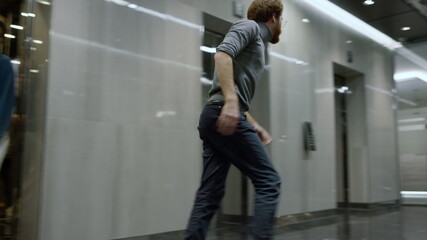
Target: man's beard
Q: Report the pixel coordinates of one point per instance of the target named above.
(276, 37)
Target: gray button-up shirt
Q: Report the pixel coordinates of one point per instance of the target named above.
(246, 42)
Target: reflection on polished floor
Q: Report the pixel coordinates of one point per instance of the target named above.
(398, 223)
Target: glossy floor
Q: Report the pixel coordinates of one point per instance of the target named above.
(402, 223)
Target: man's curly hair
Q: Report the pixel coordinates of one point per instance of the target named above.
(263, 10)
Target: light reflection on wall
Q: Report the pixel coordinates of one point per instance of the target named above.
(156, 14)
(121, 51)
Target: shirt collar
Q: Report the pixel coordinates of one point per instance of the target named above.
(265, 32)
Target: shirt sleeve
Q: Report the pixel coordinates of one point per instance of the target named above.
(240, 35)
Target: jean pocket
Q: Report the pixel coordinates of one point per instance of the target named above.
(208, 117)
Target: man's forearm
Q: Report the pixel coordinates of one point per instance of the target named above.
(252, 121)
(224, 69)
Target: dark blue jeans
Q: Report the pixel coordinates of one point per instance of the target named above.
(244, 150)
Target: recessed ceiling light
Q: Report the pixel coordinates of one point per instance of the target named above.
(306, 20)
(368, 2)
(406, 28)
(9, 35)
(37, 41)
(43, 2)
(16, 62)
(349, 41)
(28, 14)
(16, 27)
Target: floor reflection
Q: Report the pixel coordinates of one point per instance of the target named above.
(398, 223)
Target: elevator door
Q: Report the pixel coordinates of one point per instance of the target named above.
(341, 141)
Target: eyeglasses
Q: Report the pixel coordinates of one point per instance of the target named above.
(284, 22)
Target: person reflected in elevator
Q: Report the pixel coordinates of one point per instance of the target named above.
(7, 97)
(230, 135)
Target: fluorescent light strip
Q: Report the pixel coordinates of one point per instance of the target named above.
(37, 41)
(354, 23)
(404, 76)
(44, 2)
(413, 194)
(17, 62)
(28, 14)
(9, 35)
(17, 27)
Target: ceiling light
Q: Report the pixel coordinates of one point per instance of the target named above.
(305, 20)
(34, 71)
(9, 35)
(406, 28)
(342, 89)
(132, 5)
(28, 14)
(43, 2)
(17, 27)
(17, 62)
(414, 192)
(368, 2)
(37, 41)
(349, 41)
(353, 22)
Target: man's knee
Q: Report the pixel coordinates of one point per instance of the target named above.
(270, 186)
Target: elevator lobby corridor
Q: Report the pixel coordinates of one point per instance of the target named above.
(104, 142)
